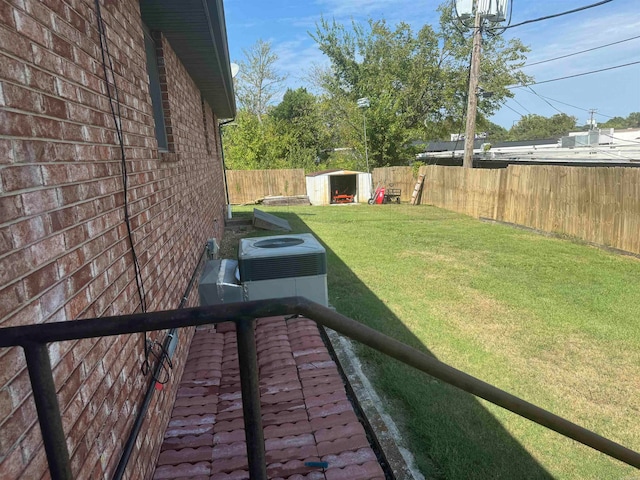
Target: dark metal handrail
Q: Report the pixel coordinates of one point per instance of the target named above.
(33, 338)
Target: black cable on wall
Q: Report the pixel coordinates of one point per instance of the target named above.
(155, 352)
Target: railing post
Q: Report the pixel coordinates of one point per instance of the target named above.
(248, 360)
(46, 400)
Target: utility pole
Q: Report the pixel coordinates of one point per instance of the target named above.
(472, 100)
(591, 121)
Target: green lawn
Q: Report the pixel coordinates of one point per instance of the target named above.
(554, 322)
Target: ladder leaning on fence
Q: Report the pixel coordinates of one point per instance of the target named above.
(415, 197)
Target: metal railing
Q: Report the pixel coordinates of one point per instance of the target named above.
(34, 339)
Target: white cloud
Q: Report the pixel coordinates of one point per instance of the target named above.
(571, 35)
(394, 11)
(356, 8)
(308, 22)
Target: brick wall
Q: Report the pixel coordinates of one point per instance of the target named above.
(64, 252)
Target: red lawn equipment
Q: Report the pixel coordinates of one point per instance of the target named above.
(385, 195)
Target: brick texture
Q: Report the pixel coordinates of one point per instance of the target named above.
(64, 252)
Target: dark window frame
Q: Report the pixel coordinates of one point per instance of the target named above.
(155, 72)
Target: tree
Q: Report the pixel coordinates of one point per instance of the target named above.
(298, 114)
(416, 81)
(537, 127)
(298, 119)
(257, 81)
(632, 121)
(495, 133)
(251, 144)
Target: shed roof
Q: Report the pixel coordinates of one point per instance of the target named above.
(197, 33)
(333, 172)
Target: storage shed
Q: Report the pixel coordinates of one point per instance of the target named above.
(338, 186)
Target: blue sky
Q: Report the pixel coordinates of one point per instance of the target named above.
(286, 23)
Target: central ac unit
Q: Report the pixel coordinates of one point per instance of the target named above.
(283, 266)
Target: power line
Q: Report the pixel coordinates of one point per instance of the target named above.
(526, 109)
(569, 105)
(513, 109)
(576, 75)
(545, 100)
(575, 10)
(581, 51)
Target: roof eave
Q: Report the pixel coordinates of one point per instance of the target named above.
(197, 33)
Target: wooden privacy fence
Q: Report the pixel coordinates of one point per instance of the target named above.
(247, 186)
(396, 177)
(596, 204)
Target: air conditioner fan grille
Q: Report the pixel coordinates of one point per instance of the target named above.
(270, 268)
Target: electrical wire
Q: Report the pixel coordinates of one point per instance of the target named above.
(152, 348)
(526, 109)
(576, 75)
(495, 31)
(116, 114)
(548, 17)
(158, 353)
(545, 101)
(581, 51)
(572, 106)
(515, 111)
(455, 24)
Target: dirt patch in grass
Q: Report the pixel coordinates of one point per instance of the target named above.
(233, 232)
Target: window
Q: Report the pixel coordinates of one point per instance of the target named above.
(206, 123)
(155, 90)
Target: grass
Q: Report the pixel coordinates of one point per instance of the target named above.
(554, 322)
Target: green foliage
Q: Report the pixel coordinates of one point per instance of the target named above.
(291, 135)
(296, 105)
(416, 81)
(252, 145)
(298, 118)
(346, 160)
(548, 320)
(415, 168)
(537, 127)
(495, 133)
(632, 121)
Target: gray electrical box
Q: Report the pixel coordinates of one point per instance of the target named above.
(218, 283)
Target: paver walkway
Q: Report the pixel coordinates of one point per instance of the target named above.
(305, 411)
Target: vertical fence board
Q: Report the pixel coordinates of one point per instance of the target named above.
(247, 186)
(396, 177)
(596, 204)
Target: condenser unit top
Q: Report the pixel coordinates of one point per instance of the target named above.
(281, 256)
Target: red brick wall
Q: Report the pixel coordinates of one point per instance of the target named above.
(64, 253)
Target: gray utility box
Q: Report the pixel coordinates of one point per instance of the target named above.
(218, 283)
(283, 266)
